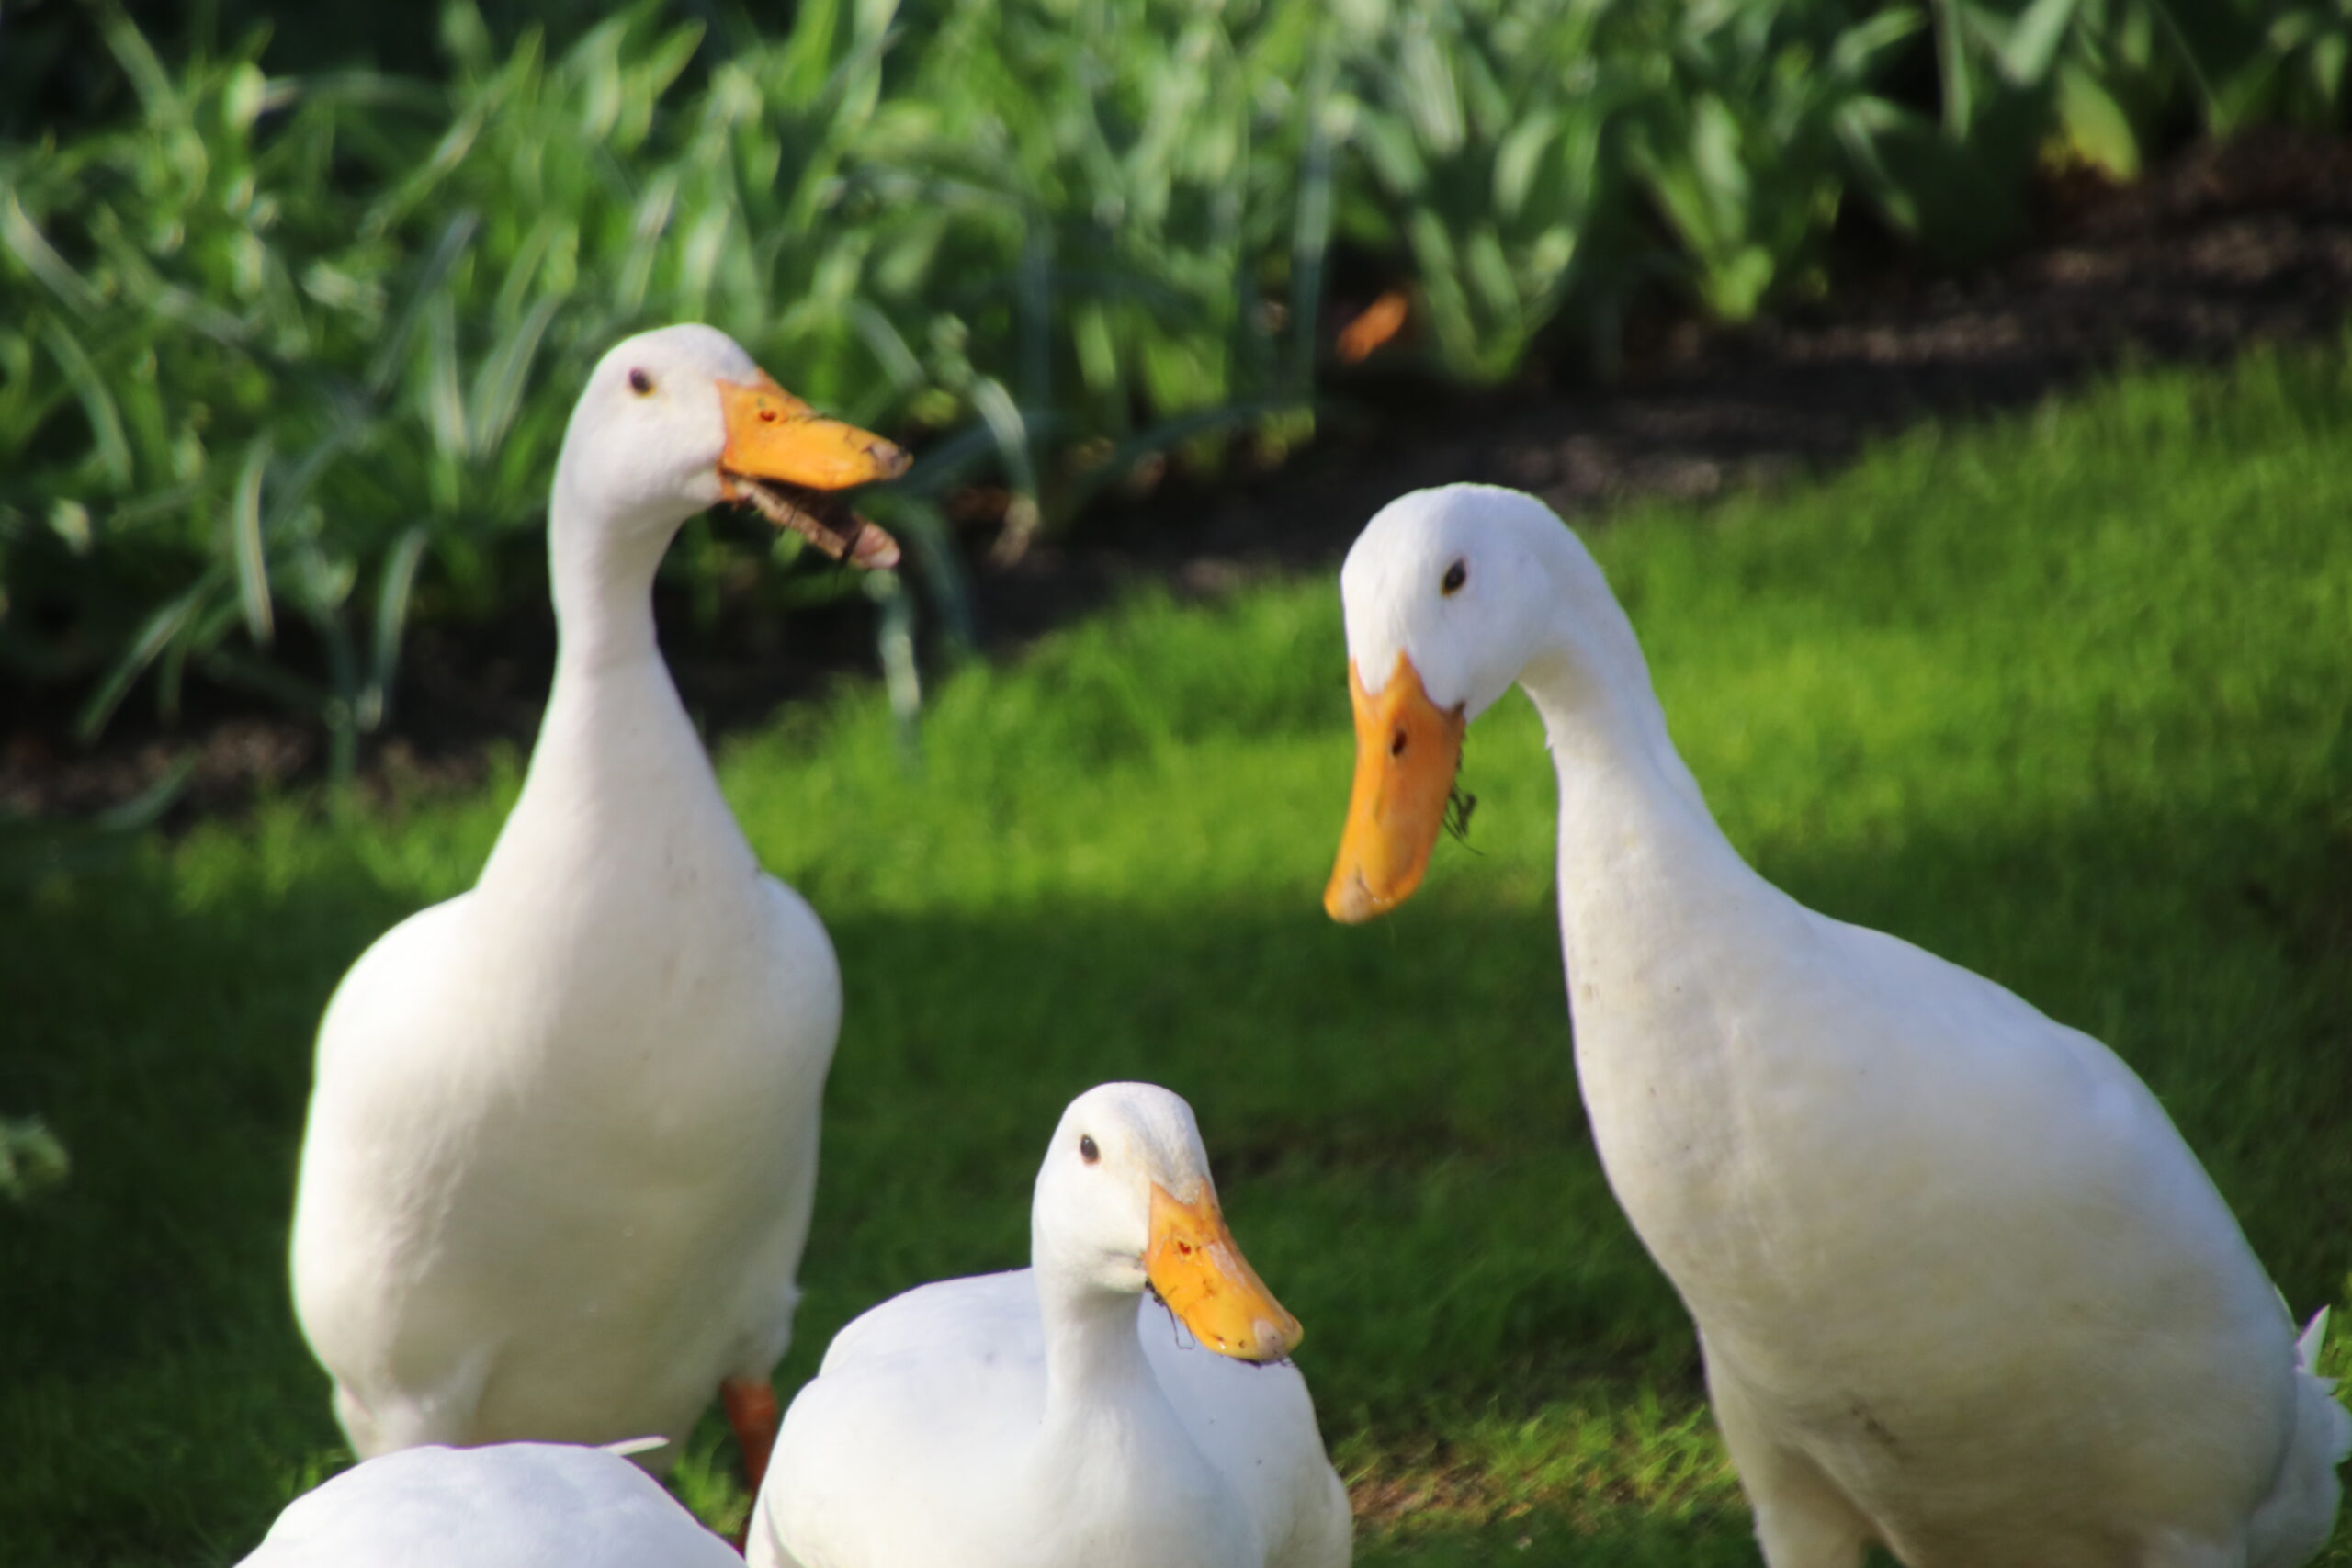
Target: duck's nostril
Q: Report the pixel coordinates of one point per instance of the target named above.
(1397, 744)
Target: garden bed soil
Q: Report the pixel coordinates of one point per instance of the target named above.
(2223, 248)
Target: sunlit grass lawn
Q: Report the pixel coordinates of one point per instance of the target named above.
(2066, 701)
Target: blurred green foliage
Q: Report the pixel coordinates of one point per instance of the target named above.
(30, 1158)
(286, 350)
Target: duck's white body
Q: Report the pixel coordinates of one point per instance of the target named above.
(1025, 1420)
(1962, 1289)
(927, 1438)
(513, 1505)
(562, 1143)
(562, 1148)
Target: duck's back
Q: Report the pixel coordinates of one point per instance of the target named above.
(883, 1443)
(522, 1506)
(885, 1455)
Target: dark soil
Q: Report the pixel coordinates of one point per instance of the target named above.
(2222, 249)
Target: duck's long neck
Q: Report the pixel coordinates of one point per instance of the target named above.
(1651, 892)
(1111, 1459)
(1095, 1370)
(617, 763)
(602, 576)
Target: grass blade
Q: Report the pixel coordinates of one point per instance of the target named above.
(448, 247)
(30, 245)
(444, 401)
(147, 807)
(244, 527)
(112, 447)
(391, 620)
(499, 383)
(155, 635)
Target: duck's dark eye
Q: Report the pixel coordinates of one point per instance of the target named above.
(1456, 576)
(640, 382)
(1086, 1150)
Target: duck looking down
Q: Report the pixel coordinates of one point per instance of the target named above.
(562, 1139)
(1961, 1289)
(1049, 1418)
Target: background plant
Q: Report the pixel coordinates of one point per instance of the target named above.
(30, 1158)
(2116, 77)
(285, 349)
(1487, 136)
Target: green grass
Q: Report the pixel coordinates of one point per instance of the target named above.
(2066, 701)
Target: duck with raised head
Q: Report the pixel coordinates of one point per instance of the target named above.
(562, 1140)
(1961, 1289)
(1051, 1417)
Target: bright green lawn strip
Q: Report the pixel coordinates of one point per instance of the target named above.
(2064, 701)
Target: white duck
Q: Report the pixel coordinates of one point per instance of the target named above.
(1961, 1287)
(562, 1143)
(511, 1506)
(1049, 1419)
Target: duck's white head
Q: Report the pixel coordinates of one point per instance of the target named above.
(1124, 1202)
(680, 418)
(1449, 594)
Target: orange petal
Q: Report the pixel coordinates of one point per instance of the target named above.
(1381, 321)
